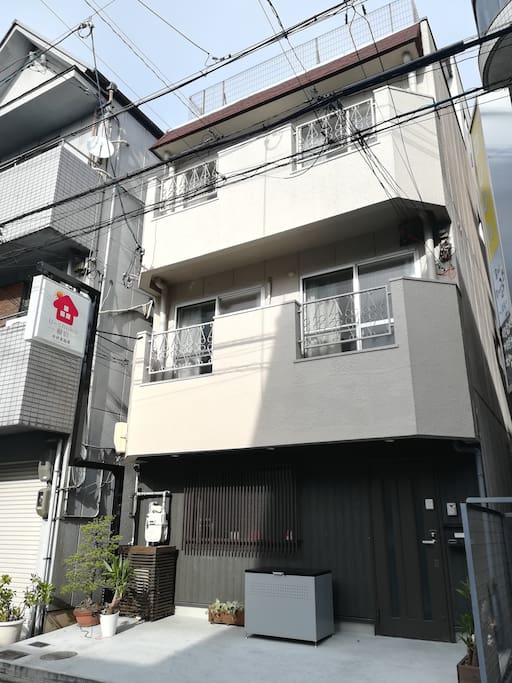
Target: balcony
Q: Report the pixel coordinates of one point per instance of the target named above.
(41, 180)
(495, 56)
(332, 188)
(38, 384)
(384, 363)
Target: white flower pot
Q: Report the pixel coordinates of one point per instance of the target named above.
(10, 631)
(109, 624)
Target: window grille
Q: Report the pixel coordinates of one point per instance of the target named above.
(242, 514)
(195, 185)
(345, 322)
(336, 132)
(183, 348)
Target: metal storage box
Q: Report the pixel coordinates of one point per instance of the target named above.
(289, 603)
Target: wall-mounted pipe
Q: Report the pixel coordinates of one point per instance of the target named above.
(163, 308)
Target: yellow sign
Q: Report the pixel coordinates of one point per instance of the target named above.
(484, 182)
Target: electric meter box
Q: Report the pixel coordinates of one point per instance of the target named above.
(43, 502)
(155, 530)
(44, 470)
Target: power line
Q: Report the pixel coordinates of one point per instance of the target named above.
(133, 174)
(118, 76)
(183, 35)
(224, 61)
(421, 111)
(247, 174)
(452, 49)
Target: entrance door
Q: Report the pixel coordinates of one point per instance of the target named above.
(410, 576)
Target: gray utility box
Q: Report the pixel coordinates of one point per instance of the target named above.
(289, 603)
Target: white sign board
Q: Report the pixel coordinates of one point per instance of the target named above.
(57, 316)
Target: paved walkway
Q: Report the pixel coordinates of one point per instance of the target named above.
(190, 650)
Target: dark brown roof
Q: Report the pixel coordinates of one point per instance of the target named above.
(407, 35)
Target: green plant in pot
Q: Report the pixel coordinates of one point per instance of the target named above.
(468, 670)
(38, 595)
(85, 573)
(117, 577)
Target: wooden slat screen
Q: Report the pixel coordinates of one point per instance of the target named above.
(249, 513)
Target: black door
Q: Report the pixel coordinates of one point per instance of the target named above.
(410, 575)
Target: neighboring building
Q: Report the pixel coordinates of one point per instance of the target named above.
(495, 56)
(46, 94)
(322, 386)
(491, 132)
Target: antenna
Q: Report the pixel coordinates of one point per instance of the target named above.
(99, 146)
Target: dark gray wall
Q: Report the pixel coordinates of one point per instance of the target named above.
(333, 486)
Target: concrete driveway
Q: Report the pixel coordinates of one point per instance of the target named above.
(190, 650)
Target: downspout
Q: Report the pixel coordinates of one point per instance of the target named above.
(61, 490)
(429, 246)
(163, 311)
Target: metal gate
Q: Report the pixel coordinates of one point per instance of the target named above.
(488, 540)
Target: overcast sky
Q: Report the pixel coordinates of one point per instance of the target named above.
(218, 28)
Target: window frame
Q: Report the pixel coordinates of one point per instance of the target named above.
(396, 255)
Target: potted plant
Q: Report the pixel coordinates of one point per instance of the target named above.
(39, 594)
(231, 612)
(85, 572)
(117, 578)
(468, 670)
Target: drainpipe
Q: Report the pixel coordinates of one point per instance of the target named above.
(133, 514)
(429, 246)
(46, 573)
(163, 311)
(59, 507)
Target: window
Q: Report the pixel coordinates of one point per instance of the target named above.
(239, 301)
(245, 513)
(350, 309)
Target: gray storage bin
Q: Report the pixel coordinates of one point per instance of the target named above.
(289, 603)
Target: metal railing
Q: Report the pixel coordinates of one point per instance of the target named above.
(340, 41)
(196, 184)
(488, 542)
(335, 132)
(182, 349)
(345, 322)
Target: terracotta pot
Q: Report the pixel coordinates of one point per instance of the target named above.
(236, 619)
(86, 617)
(467, 673)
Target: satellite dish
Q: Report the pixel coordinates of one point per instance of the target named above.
(99, 147)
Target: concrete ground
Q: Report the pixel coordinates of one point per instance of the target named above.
(190, 650)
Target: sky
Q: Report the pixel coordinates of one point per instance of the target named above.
(217, 29)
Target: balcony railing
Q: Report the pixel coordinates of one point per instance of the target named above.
(347, 322)
(340, 41)
(185, 351)
(337, 131)
(192, 186)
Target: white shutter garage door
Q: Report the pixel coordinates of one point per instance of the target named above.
(20, 525)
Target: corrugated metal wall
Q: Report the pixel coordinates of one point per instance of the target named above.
(20, 525)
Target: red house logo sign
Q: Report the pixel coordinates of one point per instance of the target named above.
(66, 309)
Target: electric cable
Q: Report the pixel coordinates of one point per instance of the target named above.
(183, 35)
(453, 49)
(145, 170)
(393, 122)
